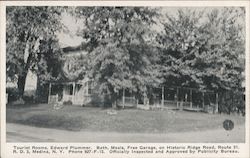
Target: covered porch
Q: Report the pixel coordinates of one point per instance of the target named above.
(181, 98)
(184, 98)
(75, 93)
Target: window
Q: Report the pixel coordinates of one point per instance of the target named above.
(69, 89)
(90, 87)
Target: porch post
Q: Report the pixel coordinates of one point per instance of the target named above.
(64, 85)
(177, 95)
(123, 98)
(144, 98)
(49, 93)
(203, 100)
(74, 87)
(87, 91)
(217, 103)
(74, 84)
(162, 96)
(135, 99)
(191, 103)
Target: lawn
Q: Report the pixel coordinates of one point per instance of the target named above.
(126, 120)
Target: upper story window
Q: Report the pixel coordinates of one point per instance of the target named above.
(90, 87)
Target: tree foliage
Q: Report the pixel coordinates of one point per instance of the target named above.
(226, 49)
(203, 49)
(120, 54)
(31, 42)
(181, 42)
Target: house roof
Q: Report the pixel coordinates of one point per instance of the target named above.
(73, 49)
(66, 39)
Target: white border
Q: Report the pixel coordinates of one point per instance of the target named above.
(5, 146)
(128, 3)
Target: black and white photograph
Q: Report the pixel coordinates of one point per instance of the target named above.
(125, 74)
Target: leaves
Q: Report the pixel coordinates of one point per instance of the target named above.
(130, 47)
(202, 49)
(119, 54)
(31, 42)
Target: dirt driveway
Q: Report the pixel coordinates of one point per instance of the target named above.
(22, 133)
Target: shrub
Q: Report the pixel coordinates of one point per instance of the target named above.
(232, 102)
(69, 102)
(13, 94)
(28, 99)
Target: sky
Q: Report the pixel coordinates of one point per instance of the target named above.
(70, 39)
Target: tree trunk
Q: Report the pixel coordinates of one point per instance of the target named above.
(114, 100)
(21, 84)
(41, 91)
(22, 77)
(113, 97)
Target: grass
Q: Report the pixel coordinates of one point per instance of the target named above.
(129, 120)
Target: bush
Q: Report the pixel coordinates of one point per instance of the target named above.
(69, 102)
(232, 102)
(13, 94)
(28, 99)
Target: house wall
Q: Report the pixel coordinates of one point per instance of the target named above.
(79, 93)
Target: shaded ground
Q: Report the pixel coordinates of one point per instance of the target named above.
(86, 119)
(22, 133)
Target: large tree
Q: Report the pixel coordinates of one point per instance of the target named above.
(119, 44)
(203, 49)
(30, 40)
(181, 41)
(225, 49)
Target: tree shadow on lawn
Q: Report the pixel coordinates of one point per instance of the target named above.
(76, 118)
(48, 121)
(42, 115)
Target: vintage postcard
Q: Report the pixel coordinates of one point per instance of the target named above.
(124, 79)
